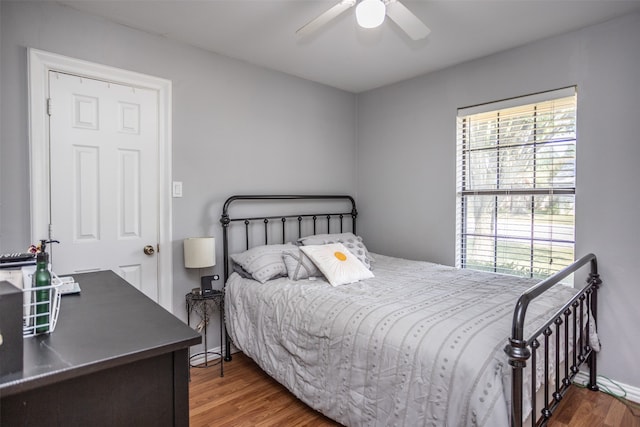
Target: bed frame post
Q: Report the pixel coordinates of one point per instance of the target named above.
(224, 220)
(594, 278)
(518, 353)
(354, 216)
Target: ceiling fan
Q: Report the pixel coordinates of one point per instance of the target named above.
(371, 14)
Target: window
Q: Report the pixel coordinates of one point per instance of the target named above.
(516, 185)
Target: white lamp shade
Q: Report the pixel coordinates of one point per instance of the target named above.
(199, 252)
(370, 13)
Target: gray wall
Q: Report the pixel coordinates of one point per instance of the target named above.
(236, 128)
(406, 161)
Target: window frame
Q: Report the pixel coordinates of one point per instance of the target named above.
(464, 171)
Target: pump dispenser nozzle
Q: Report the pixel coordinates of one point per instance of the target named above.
(43, 244)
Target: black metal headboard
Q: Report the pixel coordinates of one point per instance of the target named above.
(226, 220)
(268, 221)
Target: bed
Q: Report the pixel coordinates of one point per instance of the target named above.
(412, 343)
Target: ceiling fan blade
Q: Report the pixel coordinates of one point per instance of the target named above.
(406, 20)
(325, 17)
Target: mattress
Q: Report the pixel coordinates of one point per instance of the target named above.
(420, 344)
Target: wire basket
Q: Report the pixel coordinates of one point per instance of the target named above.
(41, 308)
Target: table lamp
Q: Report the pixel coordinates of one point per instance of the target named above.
(200, 252)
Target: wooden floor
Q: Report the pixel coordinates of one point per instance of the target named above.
(583, 407)
(246, 396)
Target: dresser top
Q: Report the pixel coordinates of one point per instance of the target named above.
(110, 323)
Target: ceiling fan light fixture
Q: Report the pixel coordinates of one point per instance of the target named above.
(370, 13)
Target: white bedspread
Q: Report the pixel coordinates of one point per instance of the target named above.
(419, 345)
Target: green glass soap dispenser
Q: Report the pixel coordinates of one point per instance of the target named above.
(42, 279)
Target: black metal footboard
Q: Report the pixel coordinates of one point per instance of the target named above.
(567, 331)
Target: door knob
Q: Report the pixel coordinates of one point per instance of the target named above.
(149, 250)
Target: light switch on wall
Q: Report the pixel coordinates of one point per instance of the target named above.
(177, 189)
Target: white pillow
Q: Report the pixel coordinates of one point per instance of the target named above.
(351, 241)
(337, 263)
(299, 266)
(264, 262)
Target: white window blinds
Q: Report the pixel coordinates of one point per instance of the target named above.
(516, 185)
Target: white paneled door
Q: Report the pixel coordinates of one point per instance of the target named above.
(104, 179)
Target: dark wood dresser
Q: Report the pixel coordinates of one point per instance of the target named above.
(116, 358)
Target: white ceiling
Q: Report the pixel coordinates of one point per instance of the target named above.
(341, 54)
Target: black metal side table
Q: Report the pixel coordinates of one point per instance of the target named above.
(203, 306)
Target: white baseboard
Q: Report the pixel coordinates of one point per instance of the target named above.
(632, 393)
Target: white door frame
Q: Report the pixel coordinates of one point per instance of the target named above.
(40, 63)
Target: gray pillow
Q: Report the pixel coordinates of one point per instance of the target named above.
(241, 271)
(299, 266)
(264, 262)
